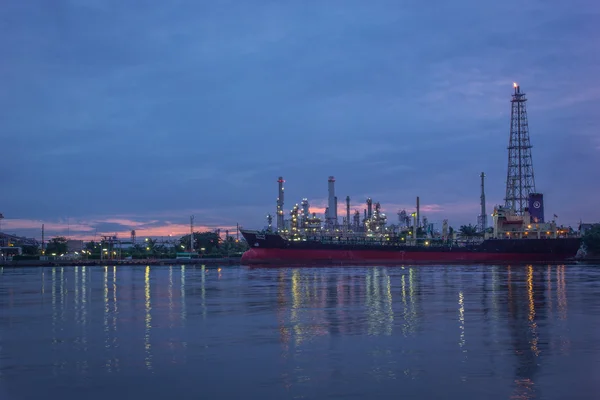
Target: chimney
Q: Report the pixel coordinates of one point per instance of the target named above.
(348, 212)
(332, 212)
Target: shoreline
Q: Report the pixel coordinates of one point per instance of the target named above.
(103, 263)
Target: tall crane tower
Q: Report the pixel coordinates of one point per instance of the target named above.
(520, 182)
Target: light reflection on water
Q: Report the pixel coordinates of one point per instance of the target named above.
(493, 332)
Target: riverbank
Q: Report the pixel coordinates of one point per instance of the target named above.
(592, 259)
(102, 263)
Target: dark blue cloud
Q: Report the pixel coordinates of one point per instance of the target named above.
(155, 111)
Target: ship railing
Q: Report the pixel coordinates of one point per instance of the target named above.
(392, 242)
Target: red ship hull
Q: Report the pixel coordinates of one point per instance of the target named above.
(273, 249)
(355, 257)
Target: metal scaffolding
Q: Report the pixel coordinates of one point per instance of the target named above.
(519, 180)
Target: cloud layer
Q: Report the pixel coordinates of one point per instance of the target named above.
(151, 112)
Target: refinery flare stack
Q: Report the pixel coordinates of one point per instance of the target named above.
(519, 233)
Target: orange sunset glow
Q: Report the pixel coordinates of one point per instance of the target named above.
(87, 230)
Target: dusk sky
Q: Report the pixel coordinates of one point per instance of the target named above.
(118, 115)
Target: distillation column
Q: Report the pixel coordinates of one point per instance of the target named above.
(280, 215)
(331, 216)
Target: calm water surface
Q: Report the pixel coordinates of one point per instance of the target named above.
(350, 333)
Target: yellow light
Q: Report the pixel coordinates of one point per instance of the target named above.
(515, 84)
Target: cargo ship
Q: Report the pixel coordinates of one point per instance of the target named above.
(271, 248)
(305, 240)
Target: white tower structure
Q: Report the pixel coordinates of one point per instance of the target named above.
(331, 216)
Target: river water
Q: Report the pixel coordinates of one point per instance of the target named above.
(455, 332)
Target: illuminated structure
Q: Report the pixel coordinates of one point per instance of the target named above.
(331, 212)
(269, 222)
(520, 182)
(509, 225)
(280, 216)
(305, 213)
(294, 224)
(376, 223)
(313, 223)
(522, 215)
(111, 248)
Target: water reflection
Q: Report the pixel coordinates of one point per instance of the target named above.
(182, 294)
(203, 290)
(322, 304)
(331, 326)
(379, 302)
(148, 319)
(561, 292)
(461, 319)
(409, 309)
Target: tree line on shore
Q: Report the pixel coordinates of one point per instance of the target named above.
(591, 240)
(208, 244)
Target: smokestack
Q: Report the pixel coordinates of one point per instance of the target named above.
(418, 214)
(369, 208)
(332, 212)
(280, 215)
(348, 212)
(335, 208)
